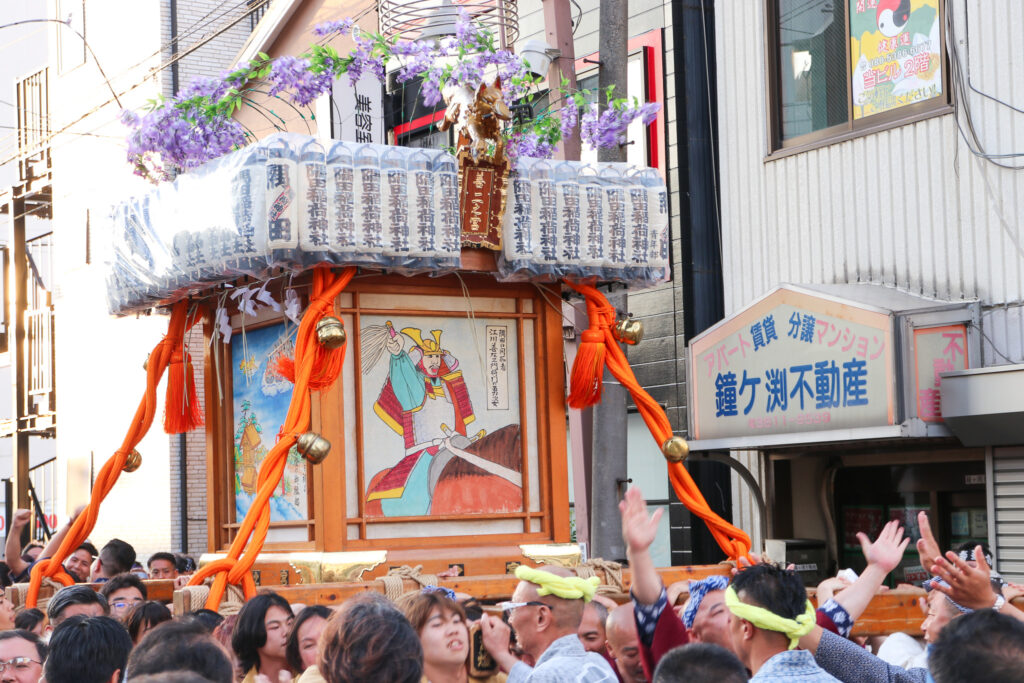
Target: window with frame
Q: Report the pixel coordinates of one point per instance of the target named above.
(841, 67)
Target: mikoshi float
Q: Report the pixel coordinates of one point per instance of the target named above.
(399, 310)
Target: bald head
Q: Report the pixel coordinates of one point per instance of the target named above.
(621, 626)
(624, 644)
(567, 614)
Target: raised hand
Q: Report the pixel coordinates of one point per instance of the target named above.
(969, 586)
(638, 528)
(21, 518)
(927, 546)
(829, 587)
(497, 637)
(887, 551)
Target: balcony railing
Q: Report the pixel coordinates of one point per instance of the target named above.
(33, 104)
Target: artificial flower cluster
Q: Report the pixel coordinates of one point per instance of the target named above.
(197, 125)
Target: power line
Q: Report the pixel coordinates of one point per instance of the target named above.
(179, 56)
(151, 74)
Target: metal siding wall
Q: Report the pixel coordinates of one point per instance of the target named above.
(908, 207)
(1008, 487)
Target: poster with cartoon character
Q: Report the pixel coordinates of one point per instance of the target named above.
(261, 398)
(441, 422)
(895, 54)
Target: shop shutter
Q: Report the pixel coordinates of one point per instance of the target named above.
(1008, 493)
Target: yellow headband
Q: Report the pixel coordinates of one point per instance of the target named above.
(762, 618)
(566, 587)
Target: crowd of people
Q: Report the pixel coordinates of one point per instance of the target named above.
(753, 623)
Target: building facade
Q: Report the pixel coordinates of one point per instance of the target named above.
(872, 160)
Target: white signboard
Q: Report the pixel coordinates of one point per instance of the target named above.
(357, 113)
(792, 362)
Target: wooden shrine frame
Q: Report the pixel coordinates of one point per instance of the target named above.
(328, 527)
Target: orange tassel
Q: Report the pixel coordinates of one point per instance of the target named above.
(182, 412)
(585, 381)
(327, 365)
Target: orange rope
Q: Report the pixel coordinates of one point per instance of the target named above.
(598, 349)
(310, 361)
(85, 522)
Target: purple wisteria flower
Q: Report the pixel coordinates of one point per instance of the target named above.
(570, 115)
(649, 112)
(467, 34)
(129, 118)
(608, 128)
(178, 136)
(416, 57)
(430, 89)
(201, 86)
(293, 74)
(528, 144)
(363, 59)
(327, 28)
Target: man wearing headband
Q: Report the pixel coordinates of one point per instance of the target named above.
(660, 630)
(545, 613)
(705, 613)
(770, 613)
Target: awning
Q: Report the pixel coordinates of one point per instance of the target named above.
(811, 364)
(985, 406)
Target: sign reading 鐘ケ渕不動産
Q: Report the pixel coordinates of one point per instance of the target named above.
(792, 362)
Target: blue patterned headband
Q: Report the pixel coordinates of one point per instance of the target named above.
(447, 592)
(698, 589)
(936, 581)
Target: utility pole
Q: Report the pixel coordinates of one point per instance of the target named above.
(609, 462)
(17, 303)
(558, 34)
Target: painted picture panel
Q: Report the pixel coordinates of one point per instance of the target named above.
(441, 413)
(261, 398)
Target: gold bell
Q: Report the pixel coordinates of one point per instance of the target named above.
(313, 447)
(675, 449)
(132, 462)
(629, 331)
(331, 333)
(145, 364)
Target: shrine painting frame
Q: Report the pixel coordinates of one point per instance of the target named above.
(334, 523)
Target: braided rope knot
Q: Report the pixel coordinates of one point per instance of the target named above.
(612, 574)
(394, 582)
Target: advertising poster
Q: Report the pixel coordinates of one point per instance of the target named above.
(261, 398)
(895, 54)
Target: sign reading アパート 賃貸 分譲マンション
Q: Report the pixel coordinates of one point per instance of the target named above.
(792, 362)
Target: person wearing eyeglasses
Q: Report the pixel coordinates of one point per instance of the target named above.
(123, 592)
(22, 654)
(545, 613)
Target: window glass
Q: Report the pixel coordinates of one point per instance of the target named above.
(812, 65)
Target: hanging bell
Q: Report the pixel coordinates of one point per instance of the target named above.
(331, 333)
(629, 331)
(132, 462)
(675, 449)
(145, 364)
(313, 447)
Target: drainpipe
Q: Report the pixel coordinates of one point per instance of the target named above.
(174, 47)
(183, 490)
